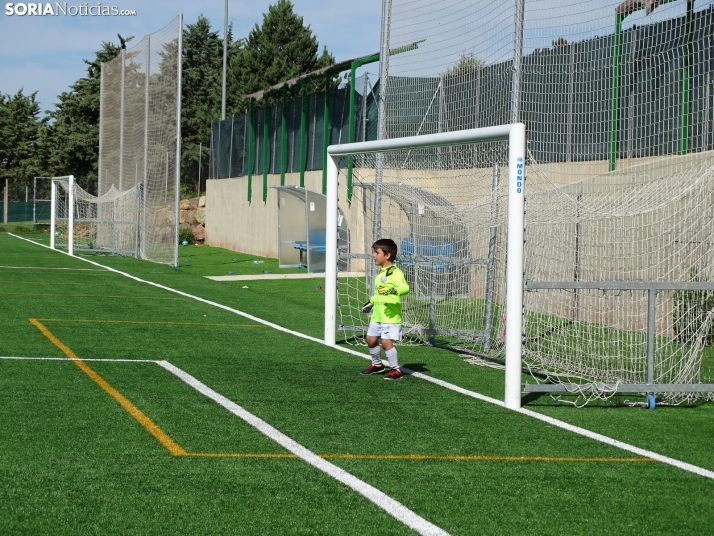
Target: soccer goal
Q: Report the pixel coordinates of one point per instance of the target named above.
(84, 222)
(449, 274)
(609, 292)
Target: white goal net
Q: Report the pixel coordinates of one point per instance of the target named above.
(618, 255)
(81, 222)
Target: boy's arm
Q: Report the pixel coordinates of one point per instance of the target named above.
(400, 284)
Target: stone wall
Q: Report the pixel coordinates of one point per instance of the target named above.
(192, 215)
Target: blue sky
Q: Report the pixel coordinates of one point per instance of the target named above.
(45, 53)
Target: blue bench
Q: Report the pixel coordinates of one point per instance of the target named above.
(425, 248)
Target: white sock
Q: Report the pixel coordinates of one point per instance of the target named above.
(392, 356)
(376, 354)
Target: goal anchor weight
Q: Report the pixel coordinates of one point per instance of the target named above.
(515, 134)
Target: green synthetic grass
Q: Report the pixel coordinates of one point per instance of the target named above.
(73, 461)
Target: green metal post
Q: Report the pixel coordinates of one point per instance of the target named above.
(351, 139)
(251, 137)
(615, 91)
(266, 153)
(353, 72)
(684, 137)
(283, 141)
(325, 134)
(303, 135)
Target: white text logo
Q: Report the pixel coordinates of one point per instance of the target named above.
(56, 9)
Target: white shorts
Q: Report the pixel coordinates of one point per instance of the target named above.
(392, 332)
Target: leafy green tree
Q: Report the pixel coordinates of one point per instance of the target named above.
(201, 95)
(70, 144)
(278, 50)
(20, 127)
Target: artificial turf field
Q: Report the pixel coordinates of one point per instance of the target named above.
(119, 444)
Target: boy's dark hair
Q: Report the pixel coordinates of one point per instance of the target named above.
(387, 245)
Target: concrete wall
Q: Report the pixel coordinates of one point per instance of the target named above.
(252, 227)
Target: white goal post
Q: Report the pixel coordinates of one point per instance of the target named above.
(515, 134)
(69, 215)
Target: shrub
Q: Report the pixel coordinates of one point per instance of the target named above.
(187, 236)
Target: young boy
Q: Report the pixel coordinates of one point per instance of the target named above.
(386, 321)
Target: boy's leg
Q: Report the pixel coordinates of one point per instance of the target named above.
(375, 352)
(392, 332)
(391, 353)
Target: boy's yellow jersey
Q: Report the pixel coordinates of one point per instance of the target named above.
(388, 307)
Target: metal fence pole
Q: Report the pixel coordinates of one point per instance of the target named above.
(517, 63)
(178, 138)
(266, 144)
(651, 317)
(490, 265)
(303, 134)
(325, 134)
(571, 87)
(283, 139)
(615, 91)
(251, 148)
(121, 123)
(381, 117)
(4, 202)
(101, 115)
(141, 199)
(684, 136)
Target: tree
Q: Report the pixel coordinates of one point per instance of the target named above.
(201, 94)
(70, 144)
(280, 49)
(466, 64)
(20, 127)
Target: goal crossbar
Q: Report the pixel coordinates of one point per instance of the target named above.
(515, 134)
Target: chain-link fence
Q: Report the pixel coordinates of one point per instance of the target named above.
(298, 146)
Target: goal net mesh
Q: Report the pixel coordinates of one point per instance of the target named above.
(139, 118)
(106, 224)
(617, 102)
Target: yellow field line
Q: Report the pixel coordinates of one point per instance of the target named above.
(151, 322)
(170, 445)
(176, 450)
(90, 296)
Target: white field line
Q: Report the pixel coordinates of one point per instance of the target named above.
(46, 268)
(555, 422)
(393, 507)
(69, 360)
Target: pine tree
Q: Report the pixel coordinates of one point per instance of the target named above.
(70, 144)
(201, 95)
(20, 126)
(278, 50)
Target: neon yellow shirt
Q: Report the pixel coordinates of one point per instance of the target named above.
(388, 307)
